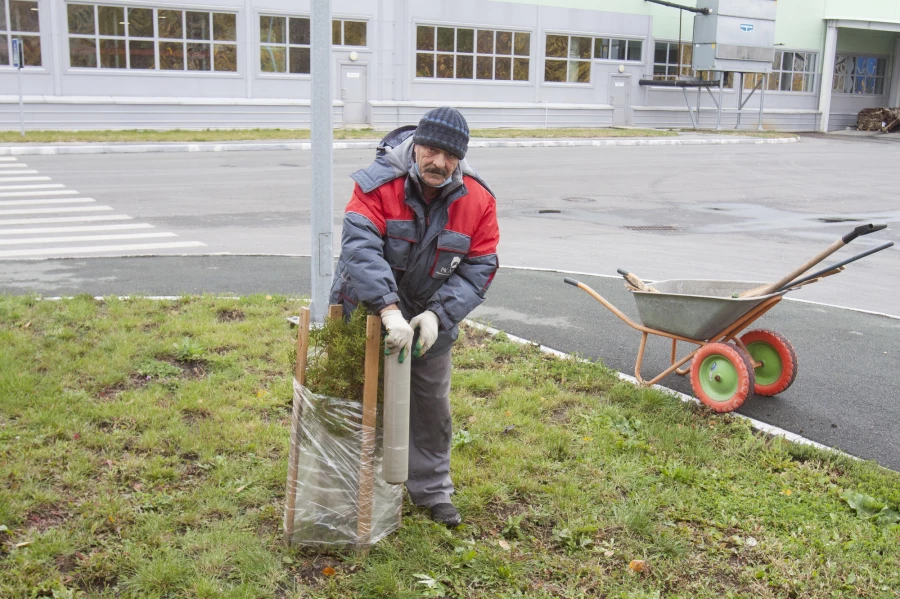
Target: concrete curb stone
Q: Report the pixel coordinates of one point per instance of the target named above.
(138, 148)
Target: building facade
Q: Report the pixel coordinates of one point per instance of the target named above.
(544, 63)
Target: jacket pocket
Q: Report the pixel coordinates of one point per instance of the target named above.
(400, 238)
(452, 247)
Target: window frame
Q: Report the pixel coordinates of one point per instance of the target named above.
(814, 85)
(885, 78)
(567, 59)
(474, 80)
(286, 45)
(674, 65)
(11, 33)
(594, 37)
(258, 13)
(156, 71)
(626, 38)
(343, 19)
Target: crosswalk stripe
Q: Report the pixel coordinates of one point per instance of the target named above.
(16, 165)
(62, 219)
(41, 186)
(7, 159)
(99, 248)
(37, 230)
(5, 174)
(55, 210)
(86, 238)
(49, 192)
(21, 180)
(50, 201)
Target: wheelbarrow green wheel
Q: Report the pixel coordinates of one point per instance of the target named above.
(722, 376)
(779, 361)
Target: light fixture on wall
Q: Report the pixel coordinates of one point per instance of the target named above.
(621, 68)
(354, 56)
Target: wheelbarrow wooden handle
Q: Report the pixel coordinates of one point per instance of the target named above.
(772, 287)
(633, 280)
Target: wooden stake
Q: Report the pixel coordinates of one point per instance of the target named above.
(335, 311)
(367, 449)
(290, 495)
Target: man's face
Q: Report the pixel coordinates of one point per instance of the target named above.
(435, 165)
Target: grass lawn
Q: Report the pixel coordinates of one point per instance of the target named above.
(295, 134)
(143, 453)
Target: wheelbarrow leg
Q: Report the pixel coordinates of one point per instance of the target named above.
(679, 371)
(640, 360)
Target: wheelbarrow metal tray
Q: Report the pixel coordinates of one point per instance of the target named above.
(696, 309)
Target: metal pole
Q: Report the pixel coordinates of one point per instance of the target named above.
(680, 48)
(19, 62)
(699, 103)
(721, 101)
(322, 212)
(740, 99)
(762, 100)
(21, 106)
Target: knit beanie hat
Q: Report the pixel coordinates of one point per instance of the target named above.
(444, 128)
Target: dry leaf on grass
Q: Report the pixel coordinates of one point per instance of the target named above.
(637, 565)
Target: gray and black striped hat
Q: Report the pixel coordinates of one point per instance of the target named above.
(444, 128)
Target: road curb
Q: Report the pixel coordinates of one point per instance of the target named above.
(53, 150)
(759, 425)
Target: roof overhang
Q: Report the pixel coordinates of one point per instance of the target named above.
(893, 26)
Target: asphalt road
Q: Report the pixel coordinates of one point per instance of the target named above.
(717, 212)
(844, 395)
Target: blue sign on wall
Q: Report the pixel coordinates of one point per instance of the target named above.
(746, 27)
(17, 52)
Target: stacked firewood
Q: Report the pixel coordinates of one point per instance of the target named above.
(885, 120)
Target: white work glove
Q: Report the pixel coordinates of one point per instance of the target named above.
(427, 323)
(399, 334)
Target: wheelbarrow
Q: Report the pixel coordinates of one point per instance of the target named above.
(729, 364)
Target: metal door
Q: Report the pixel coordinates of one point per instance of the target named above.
(353, 93)
(620, 98)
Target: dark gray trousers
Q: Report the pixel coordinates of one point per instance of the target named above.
(430, 430)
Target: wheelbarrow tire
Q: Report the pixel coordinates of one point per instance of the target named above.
(722, 376)
(779, 368)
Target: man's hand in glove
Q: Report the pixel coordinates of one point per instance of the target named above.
(427, 323)
(399, 333)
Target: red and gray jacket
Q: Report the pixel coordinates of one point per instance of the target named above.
(396, 248)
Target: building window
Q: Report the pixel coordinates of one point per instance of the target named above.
(665, 61)
(19, 19)
(665, 64)
(284, 44)
(568, 59)
(117, 37)
(348, 33)
(606, 48)
(792, 72)
(859, 75)
(469, 53)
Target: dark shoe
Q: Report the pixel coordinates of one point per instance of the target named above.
(445, 513)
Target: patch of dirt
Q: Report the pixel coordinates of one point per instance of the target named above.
(44, 518)
(474, 337)
(504, 511)
(191, 370)
(310, 571)
(560, 415)
(225, 315)
(195, 414)
(112, 392)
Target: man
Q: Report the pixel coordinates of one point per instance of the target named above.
(419, 247)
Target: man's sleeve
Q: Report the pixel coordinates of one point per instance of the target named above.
(362, 245)
(464, 290)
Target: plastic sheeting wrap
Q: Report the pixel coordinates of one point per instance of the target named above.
(329, 505)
